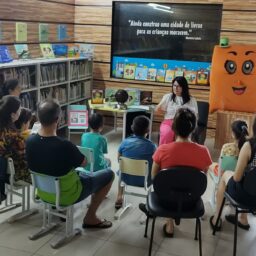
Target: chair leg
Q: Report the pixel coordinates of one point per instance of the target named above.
(219, 215)
(152, 236)
(200, 236)
(196, 231)
(235, 233)
(146, 227)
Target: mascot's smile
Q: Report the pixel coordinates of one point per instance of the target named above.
(239, 90)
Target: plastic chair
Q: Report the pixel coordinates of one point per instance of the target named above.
(50, 184)
(177, 194)
(89, 154)
(12, 188)
(249, 186)
(132, 171)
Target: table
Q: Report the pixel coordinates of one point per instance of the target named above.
(111, 108)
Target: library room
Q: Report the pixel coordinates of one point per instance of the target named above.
(101, 101)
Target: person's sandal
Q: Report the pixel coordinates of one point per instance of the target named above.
(103, 224)
(218, 228)
(232, 219)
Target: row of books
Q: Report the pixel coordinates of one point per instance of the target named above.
(80, 90)
(80, 69)
(132, 71)
(53, 73)
(28, 101)
(63, 117)
(59, 93)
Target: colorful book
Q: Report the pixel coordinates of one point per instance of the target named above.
(86, 50)
(22, 51)
(203, 77)
(179, 72)
(191, 76)
(119, 72)
(62, 32)
(47, 50)
(141, 73)
(133, 97)
(145, 97)
(21, 31)
(43, 32)
(60, 50)
(73, 50)
(4, 54)
(169, 76)
(129, 71)
(160, 75)
(151, 74)
(97, 96)
(110, 94)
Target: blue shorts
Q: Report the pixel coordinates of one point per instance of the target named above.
(93, 182)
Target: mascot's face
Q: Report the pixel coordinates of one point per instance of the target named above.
(233, 79)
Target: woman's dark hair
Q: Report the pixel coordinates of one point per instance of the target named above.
(240, 130)
(184, 122)
(25, 116)
(140, 125)
(183, 83)
(95, 121)
(8, 105)
(8, 85)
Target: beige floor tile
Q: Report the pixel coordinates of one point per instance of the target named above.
(11, 252)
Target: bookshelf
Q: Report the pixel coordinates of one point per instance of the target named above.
(67, 79)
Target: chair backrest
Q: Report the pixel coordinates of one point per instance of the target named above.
(203, 112)
(89, 154)
(132, 168)
(249, 182)
(181, 184)
(228, 163)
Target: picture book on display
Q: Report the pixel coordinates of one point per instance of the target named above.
(62, 32)
(169, 76)
(110, 94)
(60, 50)
(43, 32)
(86, 50)
(191, 76)
(4, 54)
(133, 97)
(203, 77)
(129, 71)
(21, 31)
(179, 72)
(160, 75)
(141, 73)
(22, 51)
(119, 70)
(151, 74)
(47, 50)
(97, 96)
(145, 97)
(73, 50)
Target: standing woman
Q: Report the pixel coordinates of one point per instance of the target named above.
(170, 103)
(12, 144)
(10, 87)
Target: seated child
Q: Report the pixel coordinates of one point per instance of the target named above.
(137, 147)
(97, 142)
(23, 123)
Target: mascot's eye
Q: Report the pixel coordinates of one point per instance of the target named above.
(230, 66)
(247, 67)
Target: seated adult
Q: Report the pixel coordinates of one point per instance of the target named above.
(233, 183)
(137, 147)
(182, 152)
(51, 155)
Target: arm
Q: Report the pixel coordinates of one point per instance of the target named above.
(155, 169)
(162, 105)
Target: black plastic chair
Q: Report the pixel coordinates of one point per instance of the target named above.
(249, 186)
(177, 195)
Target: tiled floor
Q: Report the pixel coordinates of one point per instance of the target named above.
(126, 236)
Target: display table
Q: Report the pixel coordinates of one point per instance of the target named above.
(223, 125)
(111, 108)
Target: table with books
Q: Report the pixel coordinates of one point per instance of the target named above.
(110, 107)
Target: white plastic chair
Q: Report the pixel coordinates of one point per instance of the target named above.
(12, 189)
(50, 184)
(134, 168)
(89, 154)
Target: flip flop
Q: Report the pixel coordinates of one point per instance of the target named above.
(103, 224)
(166, 234)
(118, 204)
(218, 228)
(231, 218)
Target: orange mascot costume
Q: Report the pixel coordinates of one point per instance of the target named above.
(233, 79)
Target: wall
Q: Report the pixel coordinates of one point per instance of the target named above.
(93, 25)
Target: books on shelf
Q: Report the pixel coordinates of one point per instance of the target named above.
(97, 96)
(47, 50)
(191, 76)
(43, 32)
(28, 100)
(203, 77)
(60, 50)
(80, 69)
(80, 90)
(86, 50)
(145, 97)
(133, 96)
(5, 56)
(110, 94)
(129, 71)
(53, 73)
(62, 32)
(63, 116)
(21, 31)
(73, 50)
(22, 51)
(141, 73)
(169, 75)
(59, 93)
(151, 74)
(160, 75)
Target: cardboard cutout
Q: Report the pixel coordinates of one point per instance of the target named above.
(233, 78)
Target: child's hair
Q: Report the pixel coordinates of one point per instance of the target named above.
(240, 130)
(8, 85)
(25, 116)
(95, 121)
(184, 122)
(140, 125)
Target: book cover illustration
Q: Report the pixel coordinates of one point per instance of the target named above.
(129, 71)
(21, 31)
(86, 50)
(97, 96)
(4, 54)
(47, 50)
(203, 77)
(60, 50)
(110, 94)
(191, 76)
(133, 97)
(73, 50)
(62, 32)
(151, 74)
(119, 70)
(43, 32)
(179, 72)
(141, 73)
(160, 75)
(22, 51)
(145, 97)
(169, 76)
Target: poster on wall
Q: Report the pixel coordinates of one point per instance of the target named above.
(77, 117)
(163, 39)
